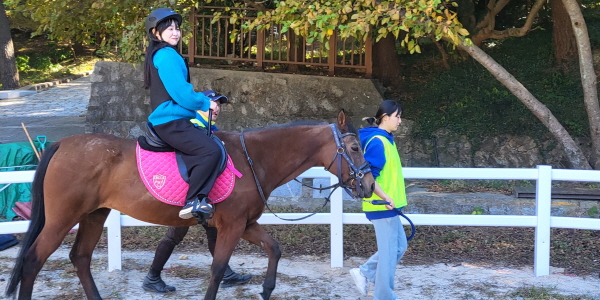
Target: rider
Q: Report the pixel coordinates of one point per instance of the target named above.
(380, 151)
(153, 282)
(174, 102)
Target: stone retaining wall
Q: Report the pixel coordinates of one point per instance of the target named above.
(119, 105)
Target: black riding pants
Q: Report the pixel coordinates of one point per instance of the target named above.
(200, 154)
(172, 238)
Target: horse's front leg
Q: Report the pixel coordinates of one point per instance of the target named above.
(227, 238)
(255, 234)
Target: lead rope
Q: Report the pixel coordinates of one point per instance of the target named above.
(413, 230)
(260, 190)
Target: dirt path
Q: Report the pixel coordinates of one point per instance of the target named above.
(306, 277)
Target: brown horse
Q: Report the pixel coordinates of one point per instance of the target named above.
(82, 177)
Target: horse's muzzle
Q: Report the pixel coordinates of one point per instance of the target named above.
(363, 189)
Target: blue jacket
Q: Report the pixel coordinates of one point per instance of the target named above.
(374, 152)
(375, 155)
(184, 100)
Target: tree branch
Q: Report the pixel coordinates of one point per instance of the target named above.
(259, 5)
(493, 10)
(489, 32)
(443, 52)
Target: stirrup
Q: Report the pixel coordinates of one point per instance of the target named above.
(205, 207)
(203, 211)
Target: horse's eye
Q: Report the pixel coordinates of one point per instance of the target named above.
(355, 148)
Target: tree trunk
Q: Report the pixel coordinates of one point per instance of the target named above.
(9, 75)
(588, 77)
(563, 38)
(295, 50)
(574, 154)
(386, 66)
(466, 15)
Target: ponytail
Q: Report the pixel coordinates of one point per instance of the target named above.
(387, 107)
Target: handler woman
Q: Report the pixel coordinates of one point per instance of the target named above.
(380, 151)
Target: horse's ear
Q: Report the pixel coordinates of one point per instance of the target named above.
(341, 120)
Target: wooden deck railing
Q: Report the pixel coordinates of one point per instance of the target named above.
(262, 48)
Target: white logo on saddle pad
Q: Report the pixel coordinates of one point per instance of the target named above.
(159, 180)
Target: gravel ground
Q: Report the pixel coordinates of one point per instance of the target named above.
(299, 277)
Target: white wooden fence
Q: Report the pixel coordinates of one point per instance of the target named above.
(542, 220)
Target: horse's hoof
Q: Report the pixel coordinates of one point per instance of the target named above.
(266, 295)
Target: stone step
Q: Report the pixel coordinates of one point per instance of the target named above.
(15, 94)
(560, 193)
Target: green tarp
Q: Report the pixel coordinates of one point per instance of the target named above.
(15, 157)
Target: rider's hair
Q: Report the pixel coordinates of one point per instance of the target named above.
(155, 45)
(387, 107)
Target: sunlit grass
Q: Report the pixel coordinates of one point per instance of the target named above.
(61, 70)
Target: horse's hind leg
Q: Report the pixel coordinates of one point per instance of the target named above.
(45, 244)
(255, 234)
(90, 230)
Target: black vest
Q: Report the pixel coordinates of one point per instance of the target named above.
(158, 92)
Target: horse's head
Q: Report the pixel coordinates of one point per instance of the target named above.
(349, 156)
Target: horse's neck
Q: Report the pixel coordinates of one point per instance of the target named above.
(282, 154)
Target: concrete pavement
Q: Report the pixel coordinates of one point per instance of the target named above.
(57, 112)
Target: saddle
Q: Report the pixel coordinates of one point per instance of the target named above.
(165, 175)
(152, 142)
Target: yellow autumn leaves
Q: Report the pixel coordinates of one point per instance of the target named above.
(408, 19)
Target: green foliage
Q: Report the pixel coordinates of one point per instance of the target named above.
(477, 211)
(593, 212)
(47, 61)
(411, 20)
(106, 24)
(468, 100)
(22, 63)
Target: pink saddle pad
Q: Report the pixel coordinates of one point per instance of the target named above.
(161, 177)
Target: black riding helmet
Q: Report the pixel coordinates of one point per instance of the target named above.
(158, 15)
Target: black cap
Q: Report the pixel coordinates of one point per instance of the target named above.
(158, 15)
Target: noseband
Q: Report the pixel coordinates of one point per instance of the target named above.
(356, 174)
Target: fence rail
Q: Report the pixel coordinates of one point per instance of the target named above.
(542, 221)
(211, 40)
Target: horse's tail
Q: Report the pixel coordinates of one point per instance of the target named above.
(38, 218)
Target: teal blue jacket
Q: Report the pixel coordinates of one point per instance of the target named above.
(184, 100)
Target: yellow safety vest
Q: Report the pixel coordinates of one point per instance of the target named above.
(390, 177)
(199, 123)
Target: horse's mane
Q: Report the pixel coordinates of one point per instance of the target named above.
(287, 125)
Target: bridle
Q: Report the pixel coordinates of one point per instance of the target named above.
(356, 174)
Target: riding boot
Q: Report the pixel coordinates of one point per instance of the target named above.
(153, 283)
(232, 278)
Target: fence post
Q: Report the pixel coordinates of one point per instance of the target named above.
(368, 57)
(543, 204)
(337, 226)
(192, 44)
(260, 48)
(113, 239)
(331, 60)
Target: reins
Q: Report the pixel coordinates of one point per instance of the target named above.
(260, 190)
(356, 173)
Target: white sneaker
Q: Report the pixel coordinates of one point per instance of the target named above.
(359, 280)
